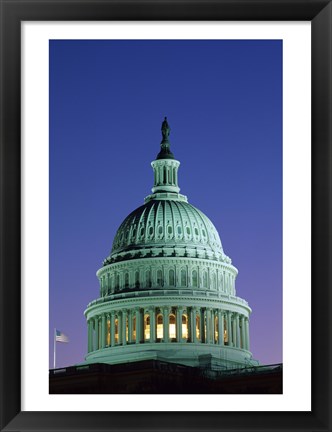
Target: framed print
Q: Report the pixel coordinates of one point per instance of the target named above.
(46, 130)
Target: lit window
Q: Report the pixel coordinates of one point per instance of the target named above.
(146, 327)
(134, 328)
(184, 327)
(172, 328)
(108, 341)
(160, 328)
(215, 329)
(197, 327)
(116, 330)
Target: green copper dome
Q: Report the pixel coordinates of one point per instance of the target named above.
(169, 223)
(166, 225)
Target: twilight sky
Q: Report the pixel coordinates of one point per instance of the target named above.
(223, 101)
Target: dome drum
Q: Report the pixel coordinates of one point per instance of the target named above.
(170, 273)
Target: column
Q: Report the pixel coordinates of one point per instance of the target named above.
(208, 325)
(138, 326)
(237, 323)
(152, 324)
(130, 326)
(229, 329)
(243, 337)
(90, 335)
(96, 341)
(247, 334)
(119, 328)
(220, 328)
(112, 325)
(124, 327)
(103, 331)
(166, 324)
(202, 324)
(234, 330)
(108, 330)
(179, 324)
(193, 325)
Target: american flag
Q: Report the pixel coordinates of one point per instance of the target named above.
(60, 337)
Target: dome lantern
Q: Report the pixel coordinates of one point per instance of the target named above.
(165, 169)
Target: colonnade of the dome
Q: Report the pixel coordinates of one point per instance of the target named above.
(167, 273)
(178, 324)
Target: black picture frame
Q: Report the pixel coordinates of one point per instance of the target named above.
(13, 12)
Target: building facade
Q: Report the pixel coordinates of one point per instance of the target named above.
(167, 289)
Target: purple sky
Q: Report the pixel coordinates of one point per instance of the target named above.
(223, 100)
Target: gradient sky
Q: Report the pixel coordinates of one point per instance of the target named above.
(223, 100)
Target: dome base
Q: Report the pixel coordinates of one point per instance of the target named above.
(195, 355)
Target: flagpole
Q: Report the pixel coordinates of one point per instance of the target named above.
(54, 348)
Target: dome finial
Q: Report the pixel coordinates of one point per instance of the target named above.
(165, 130)
(165, 152)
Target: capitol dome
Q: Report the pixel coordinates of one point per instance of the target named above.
(167, 289)
(168, 223)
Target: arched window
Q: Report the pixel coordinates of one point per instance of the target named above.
(159, 278)
(126, 280)
(160, 327)
(205, 279)
(146, 327)
(169, 170)
(137, 279)
(165, 175)
(117, 281)
(148, 278)
(184, 326)
(183, 278)
(194, 278)
(172, 326)
(214, 281)
(171, 276)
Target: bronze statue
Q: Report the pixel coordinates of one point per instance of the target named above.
(165, 129)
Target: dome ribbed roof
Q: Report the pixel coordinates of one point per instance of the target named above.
(166, 223)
